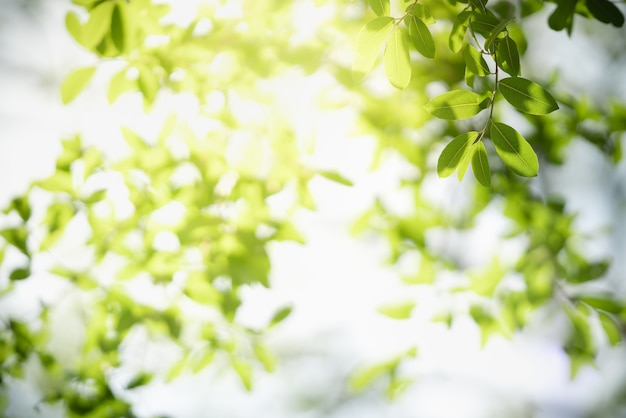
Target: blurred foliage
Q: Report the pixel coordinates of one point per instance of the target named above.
(213, 213)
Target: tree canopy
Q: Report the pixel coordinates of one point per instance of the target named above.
(165, 238)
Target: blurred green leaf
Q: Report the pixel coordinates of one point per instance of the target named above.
(368, 44)
(75, 82)
(396, 59)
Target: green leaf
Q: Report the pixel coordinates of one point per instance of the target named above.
(148, 83)
(454, 153)
(456, 104)
(364, 377)
(120, 84)
(607, 303)
(280, 315)
(606, 12)
(421, 37)
(60, 181)
(17, 237)
(459, 28)
(74, 27)
(380, 7)
(563, 15)
(527, 96)
(611, 329)
(475, 62)
(244, 370)
(141, 379)
(119, 27)
(75, 82)
(98, 24)
(516, 153)
(483, 23)
(336, 177)
(398, 310)
(421, 12)
(265, 357)
(20, 273)
(368, 44)
(496, 31)
(480, 165)
(133, 140)
(396, 59)
(508, 56)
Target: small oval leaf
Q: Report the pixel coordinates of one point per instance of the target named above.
(527, 96)
(480, 165)
(514, 150)
(454, 153)
(508, 56)
(456, 104)
(421, 37)
(75, 82)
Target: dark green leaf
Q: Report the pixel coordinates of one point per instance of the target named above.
(508, 56)
(527, 96)
(563, 15)
(421, 37)
(20, 273)
(516, 153)
(484, 23)
(606, 12)
(119, 27)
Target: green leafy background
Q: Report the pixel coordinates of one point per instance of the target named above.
(245, 208)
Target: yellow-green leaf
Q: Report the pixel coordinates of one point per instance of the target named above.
(475, 62)
(75, 82)
(396, 59)
(368, 44)
(120, 84)
(454, 153)
(527, 96)
(119, 27)
(98, 25)
(380, 7)
(74, 27)
(516, 153)
(456, 104)
(398, 310)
